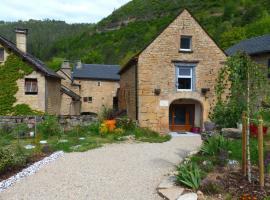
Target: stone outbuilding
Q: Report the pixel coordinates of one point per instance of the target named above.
(40, 90)
(169, 85)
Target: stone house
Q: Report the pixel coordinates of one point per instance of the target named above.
(169, 85)
(40, 89)
(96, 84)
(258, 48)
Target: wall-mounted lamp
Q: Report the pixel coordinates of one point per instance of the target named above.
(157, 91)
(205, 90)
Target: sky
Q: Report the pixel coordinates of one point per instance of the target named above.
(71, 11)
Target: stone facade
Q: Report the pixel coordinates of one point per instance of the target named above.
(157, 70)
(53, 97)
(5, 55)
(102, 93)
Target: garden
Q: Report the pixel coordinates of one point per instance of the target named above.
(236, 165)
(20, 145)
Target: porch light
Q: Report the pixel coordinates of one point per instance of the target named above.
(205, 90)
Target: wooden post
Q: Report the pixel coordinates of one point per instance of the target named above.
(244, 143)
(260, 147)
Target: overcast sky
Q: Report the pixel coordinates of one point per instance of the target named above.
(71, 11)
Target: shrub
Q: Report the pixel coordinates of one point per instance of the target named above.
(20, 130)
(189, 175)
(126, 124)
(118, 131)
(49, 127)
(213, 145)
(103, 129)
(94, 128)
(107, 114)
(10, 159)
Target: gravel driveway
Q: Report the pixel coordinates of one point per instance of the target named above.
(117, 172)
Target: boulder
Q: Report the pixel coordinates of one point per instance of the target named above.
(232, 133)
(168, 182)
(171, 193)
(188, 196)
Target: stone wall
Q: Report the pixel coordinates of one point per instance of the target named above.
(127, 95)
(36, 102)
(102, 95)
(67, 122)
(53, 87)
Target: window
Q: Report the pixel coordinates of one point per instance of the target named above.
(2, 52)
(31, 86)
(184, 78)
(88, 99)
(185, 43)
(99, 83)
(269, 68)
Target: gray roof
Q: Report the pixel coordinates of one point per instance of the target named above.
(38, 64)
(70, 93)
(96, 72)
(256, 45)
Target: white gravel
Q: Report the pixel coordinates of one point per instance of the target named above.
(117, 172)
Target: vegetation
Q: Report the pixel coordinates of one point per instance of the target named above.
(128, 29)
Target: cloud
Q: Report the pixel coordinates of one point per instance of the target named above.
(71, 11)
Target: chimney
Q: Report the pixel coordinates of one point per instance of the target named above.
(65, 67)
(21, 39)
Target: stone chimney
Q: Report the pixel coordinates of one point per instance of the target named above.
(21, 39)
(65, 67)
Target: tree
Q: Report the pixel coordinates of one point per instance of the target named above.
(248, 88)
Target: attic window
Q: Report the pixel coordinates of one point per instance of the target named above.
(186, 43)
(31, 86)
(2, 51)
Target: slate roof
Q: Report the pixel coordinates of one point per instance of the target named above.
(35, 62)
(70, 93)
(256, 45)
(97, 72)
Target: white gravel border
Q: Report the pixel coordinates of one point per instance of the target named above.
(30, 170)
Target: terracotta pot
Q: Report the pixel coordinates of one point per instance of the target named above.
(195, 130)
(111, 124)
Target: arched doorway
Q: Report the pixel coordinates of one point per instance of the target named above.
(184, 114)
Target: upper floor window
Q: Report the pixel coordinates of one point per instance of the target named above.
(31, 86)
(88, 99)
(185, 77)
(269, 68)
(2, 52)
(186, 43)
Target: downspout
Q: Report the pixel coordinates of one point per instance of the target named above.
(136, 91)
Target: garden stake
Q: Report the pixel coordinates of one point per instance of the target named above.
(244, 144)
(260, 147)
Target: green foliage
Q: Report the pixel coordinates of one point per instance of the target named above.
(126, 124)
(49, 127)
(93, 57)
(214, 145)
(106, 113)
(147, 135)
(55, 63)
(12, 70)
(189, 174)
(239, 74)
(10, 159)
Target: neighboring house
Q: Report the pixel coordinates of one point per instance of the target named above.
(96, 84)
(40, 90)
(169, 85)
(70, 98)
(258, 48)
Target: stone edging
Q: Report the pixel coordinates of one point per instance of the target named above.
(29, 170)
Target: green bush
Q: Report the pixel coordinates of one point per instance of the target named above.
(49, 127)
(126, 124)
(189, 174)
(10, 159)
(106, 114)
(214, 145)
(94, 128)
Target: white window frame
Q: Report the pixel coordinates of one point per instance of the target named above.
(190, 46)
(181, 76)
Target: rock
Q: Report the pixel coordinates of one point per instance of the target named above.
(233, 165)
(171, 193)
(231, 133)
(168, 182)
(200, 195)
(188, 196)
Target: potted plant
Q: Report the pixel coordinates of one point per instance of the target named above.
(108, 118)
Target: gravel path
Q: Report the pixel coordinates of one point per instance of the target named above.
(117, 172)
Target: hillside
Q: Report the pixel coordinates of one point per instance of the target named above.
(128, 29)
(43, 34)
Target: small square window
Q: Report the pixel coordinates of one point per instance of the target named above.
(31, 86)
(185, 43)
(88, 99)
(2, 54)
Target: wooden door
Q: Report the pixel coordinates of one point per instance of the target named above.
(182, 117)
